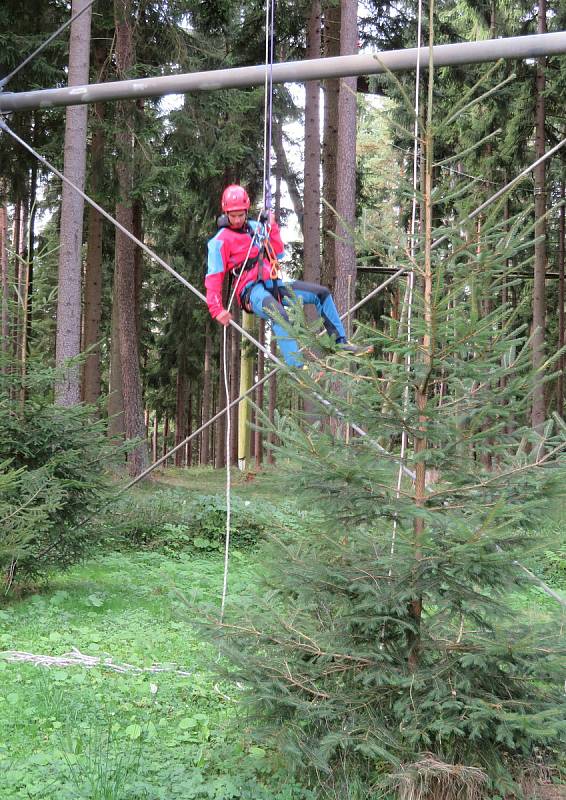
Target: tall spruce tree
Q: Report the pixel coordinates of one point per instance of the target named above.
(387, 656)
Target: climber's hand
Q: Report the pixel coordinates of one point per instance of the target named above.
(224, 318)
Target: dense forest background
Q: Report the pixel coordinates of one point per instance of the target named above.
(150, 354)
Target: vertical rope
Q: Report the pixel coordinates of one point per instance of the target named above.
(228, 476)
(267, 138)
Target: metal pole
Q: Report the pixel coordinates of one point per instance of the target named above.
(520, 47)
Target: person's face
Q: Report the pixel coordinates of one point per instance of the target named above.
(237, 218)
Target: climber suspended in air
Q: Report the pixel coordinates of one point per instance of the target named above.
(250, 251)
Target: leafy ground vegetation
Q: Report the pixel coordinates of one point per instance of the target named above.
(72, 732)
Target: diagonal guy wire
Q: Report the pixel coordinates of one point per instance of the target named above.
(333, 411)
(41, 47)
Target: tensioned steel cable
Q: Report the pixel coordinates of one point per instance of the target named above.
(48, 41)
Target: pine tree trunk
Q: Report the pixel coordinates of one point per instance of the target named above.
(331, 41)
(286, 172)
(272, 404)
(427, 345)
(116, 428)
(91, 386)
(206, 396)
(246, 364)
(20, 271)
(346, 165)
(68, 339)
(16, 234)
(220, 443)
(561, 298)
(538, 413)
(180, 415)
(154, 438)
(311, 220)
(28, 278)
(165, 438)
(189, 430)
(234, 350)
(125, 255)
(5, 284)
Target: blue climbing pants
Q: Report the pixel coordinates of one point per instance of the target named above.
(264, 305)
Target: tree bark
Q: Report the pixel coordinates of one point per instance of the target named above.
(331, 43)
(116, 427)
(220, 446)
(206, 396)
(538, 411)
(5, 284)
(180, 415)
(285, 171)
(125, 256)
(346, 165)
(234, 351)
(311, 219)
(272, 405)
(68, 338)
(91, 387)
(561, 298)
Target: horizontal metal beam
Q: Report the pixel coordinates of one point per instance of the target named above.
(544, 44)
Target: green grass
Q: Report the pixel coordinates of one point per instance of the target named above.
(92, 733)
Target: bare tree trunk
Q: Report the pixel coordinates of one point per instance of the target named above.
(180, 415)
(21, 273)
(272, 404)
(68, 340)
(28, 259)
(331, 40)
(5, 284)
(234, 350)
(125, 255)
(189, 430)
(346, 165)
(154, 438)
(206, 396)
(286, 172)
(538, 411)
(311, 220)
(91, 387)
(16, 235)
(116, 427)
(561, 248)
(165, 437)
(220, 446)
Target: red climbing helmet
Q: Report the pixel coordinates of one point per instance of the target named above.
(235, 198)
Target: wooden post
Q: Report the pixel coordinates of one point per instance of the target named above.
(244, 407)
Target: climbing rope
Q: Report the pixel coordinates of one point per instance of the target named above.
(267, 134)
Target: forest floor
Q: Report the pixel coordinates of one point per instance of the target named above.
(71, 732)
(78, 733)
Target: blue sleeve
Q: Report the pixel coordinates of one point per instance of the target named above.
(215, 260)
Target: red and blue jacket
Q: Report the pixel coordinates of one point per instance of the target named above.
(227, 251)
